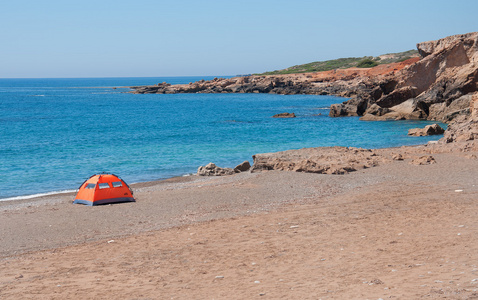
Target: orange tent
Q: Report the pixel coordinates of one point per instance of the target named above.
(104, 189)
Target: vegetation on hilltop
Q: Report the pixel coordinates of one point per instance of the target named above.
(367, 63)
(344, 63)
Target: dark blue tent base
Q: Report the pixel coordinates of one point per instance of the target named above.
(104, 201)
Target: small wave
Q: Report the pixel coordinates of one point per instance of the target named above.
(25, 197)
(38, 95)
(237, 121)
(107, 93)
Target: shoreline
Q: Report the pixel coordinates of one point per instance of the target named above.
(297, 234)
(73, 192)
(328, 153)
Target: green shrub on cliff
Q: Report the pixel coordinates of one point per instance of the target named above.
(367, 63)
(318, 66)
(344, 63)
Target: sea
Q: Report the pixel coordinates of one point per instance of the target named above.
(56, 133)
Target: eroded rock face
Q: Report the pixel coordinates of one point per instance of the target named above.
(461, 129)
(464, 127)
(438, 86)
(411, 109)
(474, 106)
(352, 108)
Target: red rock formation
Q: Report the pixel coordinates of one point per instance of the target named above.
(436, 87)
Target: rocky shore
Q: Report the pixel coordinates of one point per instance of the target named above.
(441, 84)
(343, 160)
(340, 82)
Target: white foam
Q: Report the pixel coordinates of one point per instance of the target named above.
(37, 195)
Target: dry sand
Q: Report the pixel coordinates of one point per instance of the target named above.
(398, 231)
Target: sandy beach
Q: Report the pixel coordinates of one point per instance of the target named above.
(394, 231)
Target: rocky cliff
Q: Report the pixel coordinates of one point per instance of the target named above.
(442, 85)
(439, 86)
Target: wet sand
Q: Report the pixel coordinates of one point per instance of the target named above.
(397, 230)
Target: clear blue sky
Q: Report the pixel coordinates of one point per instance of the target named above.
(104, 38)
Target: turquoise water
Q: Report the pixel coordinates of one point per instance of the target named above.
(57, 132)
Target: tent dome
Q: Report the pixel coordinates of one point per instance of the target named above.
(103, 189)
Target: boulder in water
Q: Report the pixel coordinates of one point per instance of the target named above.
(284, 115)
(434, 129)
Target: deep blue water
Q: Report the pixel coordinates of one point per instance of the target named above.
(55, 133)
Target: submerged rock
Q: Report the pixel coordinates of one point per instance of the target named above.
(284, 115)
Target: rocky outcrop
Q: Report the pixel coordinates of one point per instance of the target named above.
(284, 115)
(409, 109)
(327, 160)
(433, 129)
(464, 128)
(439, 86)
(343, 160)
(212, 170)
(474, 106)
(461, 129)
(352, 108)
(242, 167)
